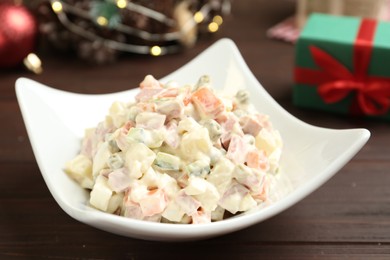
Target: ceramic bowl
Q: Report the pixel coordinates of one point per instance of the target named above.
(55, 121)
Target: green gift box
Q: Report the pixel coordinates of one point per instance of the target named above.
(342, 65)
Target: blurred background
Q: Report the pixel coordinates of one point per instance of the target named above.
(102, 46)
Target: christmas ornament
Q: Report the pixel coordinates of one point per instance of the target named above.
(18, 32)
(100, 30)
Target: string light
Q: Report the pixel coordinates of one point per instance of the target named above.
(33, 63)
(121, 4)
(213, 27)
(57, 6)
(102, 21)
(200, 16)
(156, 50)
(218, 19)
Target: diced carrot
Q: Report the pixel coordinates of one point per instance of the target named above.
(257, 159)
(208, 103)
(153, 203)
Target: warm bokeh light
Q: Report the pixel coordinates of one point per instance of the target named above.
(102, 21)
(57, 6)
(198, 17)
(121, 3)
(213, 27)
(33, 63)
(155, 50)
(218, 19)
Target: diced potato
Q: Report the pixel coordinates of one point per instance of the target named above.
(248, 177)
(138, 159)
(101, 158)
(195, 144)
(221, 175)
(274, 159)
(101, 194)
(150, 120)
(217, 214)
(168, 184)
(80, 169)
(150, 178)
(186, 125)
(268, 140)
(234, 199)
(115, 203)
(117, 113)
(247, 203)
(173, 212)
(138, 191)
(231, 203)
(209, 199)
(196, 186)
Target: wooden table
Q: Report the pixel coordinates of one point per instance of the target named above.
(348, 217)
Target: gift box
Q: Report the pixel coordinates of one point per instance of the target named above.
(342, 65)
(377, 9)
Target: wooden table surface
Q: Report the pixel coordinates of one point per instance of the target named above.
(347, 218)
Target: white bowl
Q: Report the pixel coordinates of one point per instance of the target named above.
(55, 122)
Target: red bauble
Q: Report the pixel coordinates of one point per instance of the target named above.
(18, 31)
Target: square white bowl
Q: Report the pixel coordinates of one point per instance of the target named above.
(55, 122)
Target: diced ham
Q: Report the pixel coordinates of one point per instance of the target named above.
(264, 121)
(147, 94)
(132, 210)
(168, 93)
(172, 137)
(263, 192)
(237, 149)
(231, 199)
(251, 124)
(150, 82)
(230, 126)
(119, 180)
(187, 203)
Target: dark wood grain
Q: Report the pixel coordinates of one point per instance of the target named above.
(347, 218)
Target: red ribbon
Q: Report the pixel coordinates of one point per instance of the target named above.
(335, 81)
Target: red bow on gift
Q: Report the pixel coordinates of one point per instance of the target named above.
(336, 82)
